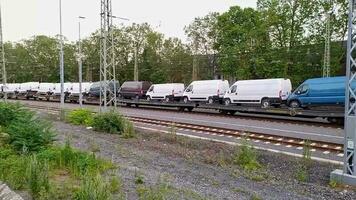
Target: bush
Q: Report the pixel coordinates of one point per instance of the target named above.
(246, 157)
(110, 122)
(30, 134)
(129, 130)
(22, 130)
(80, 117)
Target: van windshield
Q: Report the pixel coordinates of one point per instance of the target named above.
(302, 89)
(189, 88)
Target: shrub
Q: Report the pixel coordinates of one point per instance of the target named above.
(80, 117)
(110, 122)
(30, 134)
(10, 112)
(246, 157)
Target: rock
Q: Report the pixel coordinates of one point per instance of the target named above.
(7, 194)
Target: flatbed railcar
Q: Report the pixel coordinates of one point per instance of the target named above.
(333, 115)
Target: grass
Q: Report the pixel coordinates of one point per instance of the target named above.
(93, 187)
(302, 173)
(246, 157)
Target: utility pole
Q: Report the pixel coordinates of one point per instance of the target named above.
(326, 66)
(80, 65)
(136, 64)
(61, 61)
(348, 174)
(4, 78)
(108, 82)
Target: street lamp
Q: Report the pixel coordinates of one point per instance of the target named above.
(80, 63)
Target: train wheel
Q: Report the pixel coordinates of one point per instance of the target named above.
(227, 102)
(265, 103)
(294, 104)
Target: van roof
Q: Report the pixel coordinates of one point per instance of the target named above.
(326, 79)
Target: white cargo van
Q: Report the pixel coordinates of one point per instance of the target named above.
(206, 91)
(56, 95)
(44, 91)
(74, 92)
(167, 92)
(11, 90)
(28, 90)
(265, 92)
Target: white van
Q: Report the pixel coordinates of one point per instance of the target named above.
(265, 92)
(167, 92)
(56, 95)
(74, 92)
(44, 91)
(28, 90)
(11, 90)
(206, 91)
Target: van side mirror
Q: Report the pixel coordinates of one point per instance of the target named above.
(298, 92)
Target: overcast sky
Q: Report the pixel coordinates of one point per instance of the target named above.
(25, 18)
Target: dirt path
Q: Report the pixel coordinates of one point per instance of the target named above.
(199, 167)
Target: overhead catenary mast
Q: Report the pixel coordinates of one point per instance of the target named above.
(348, 174)
(107, 67)
(326, 66)
(3, 62)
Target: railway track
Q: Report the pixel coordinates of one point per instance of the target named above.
(290, 142)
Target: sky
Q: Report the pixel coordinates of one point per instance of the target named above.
(23, 19)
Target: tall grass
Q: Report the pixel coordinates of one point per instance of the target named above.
(93, 188)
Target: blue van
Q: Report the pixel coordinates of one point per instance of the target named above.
(319, 91)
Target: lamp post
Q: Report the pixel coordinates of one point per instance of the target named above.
(80, 63)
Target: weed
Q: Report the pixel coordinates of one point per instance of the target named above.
(139, 179)
(37, 175)
(80, 117)
(93, 146)
(115, 184)
(93, 187)
(246, 157)
(129, 130)
(302, 173)
(333, 183)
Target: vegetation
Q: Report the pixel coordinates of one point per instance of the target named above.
(80, 117)
(114, 123)
(29, 160)
(302, 173)
(278, 39)
(25, 132)
(246, 157)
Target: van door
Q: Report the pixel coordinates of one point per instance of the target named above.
(303, 94)
(233, 94)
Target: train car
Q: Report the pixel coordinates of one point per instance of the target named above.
(28, 90)
(134, 89)
(74, 93)
(206, 91)
(167, 92)
(45, 91)
(266, 92)
(319, 92)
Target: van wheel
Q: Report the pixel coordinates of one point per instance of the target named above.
(185, 100)
(227, 102)
(210, 100)
(148, 98)
(294, 104)
(265, 103)
(167, 99)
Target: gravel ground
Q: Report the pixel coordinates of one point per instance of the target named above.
(202, 167)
